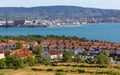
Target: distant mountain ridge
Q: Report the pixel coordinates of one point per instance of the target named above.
(57, 12)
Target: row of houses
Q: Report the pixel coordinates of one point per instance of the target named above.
(22, 53)
(78, 47)
(53, 49)
(11, 44)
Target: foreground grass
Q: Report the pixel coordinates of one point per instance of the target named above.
(28, 71)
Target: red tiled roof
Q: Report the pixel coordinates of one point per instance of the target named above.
(4, 51)
(54, 52)
(68, 44)
(22, 53)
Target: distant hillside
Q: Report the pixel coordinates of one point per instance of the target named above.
(57, 12)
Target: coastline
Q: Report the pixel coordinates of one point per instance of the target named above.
(52, 26)
(100, 31)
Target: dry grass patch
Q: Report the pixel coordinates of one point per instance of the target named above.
(28, 71)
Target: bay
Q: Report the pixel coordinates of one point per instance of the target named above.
(101, 31)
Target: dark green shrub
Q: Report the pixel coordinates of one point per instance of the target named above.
(60, 70)
(75, 65)
(60, 73)
(36, 69)
(54, 64)
(50, 69)
(81, 71)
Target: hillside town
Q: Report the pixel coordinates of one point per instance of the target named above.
(52, 22)
(40, 22)
(53, 49)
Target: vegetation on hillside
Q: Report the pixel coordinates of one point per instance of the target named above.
(53, 12)
(38, 38)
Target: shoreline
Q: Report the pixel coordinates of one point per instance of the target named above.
(52, 26)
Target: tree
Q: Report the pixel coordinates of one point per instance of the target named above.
(18, 45)
(46, 62)
(107, 53)
(102, 58)
(43, 61)
(78, 59)
(14, 62)
(38, 50)
(67, 56)
(3, 64)
(7, 54)
(30, 61)
(10, 66)
(38, 60)
(17, 62)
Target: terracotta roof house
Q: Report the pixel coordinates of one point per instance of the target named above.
(23, 53)
(77, 46)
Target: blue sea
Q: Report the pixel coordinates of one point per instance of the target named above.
(101, 31)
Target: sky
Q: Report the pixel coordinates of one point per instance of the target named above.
(105, 4)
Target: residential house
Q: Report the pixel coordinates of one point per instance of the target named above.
(7, 46)
(77, 51)
(52, 54)
(78, 47)
(118, 53)
(2, 55)
(23, 53)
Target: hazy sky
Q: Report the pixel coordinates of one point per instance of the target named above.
(106, 4)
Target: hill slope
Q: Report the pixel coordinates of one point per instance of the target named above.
(57, 11)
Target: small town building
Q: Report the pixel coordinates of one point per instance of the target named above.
(23, 53)
(52, 54)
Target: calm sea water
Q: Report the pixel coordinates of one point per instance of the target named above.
(102, 31)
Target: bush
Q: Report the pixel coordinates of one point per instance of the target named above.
(75, 66)
(46, 62)
(103, 58)
(60, 70)
(14, 62)
(81, 71)
(60, 73)
(54, 64)
(73, 70)
(114, 73)
(36, 69)
(2, 64)
(30, 61)
(50, 69)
